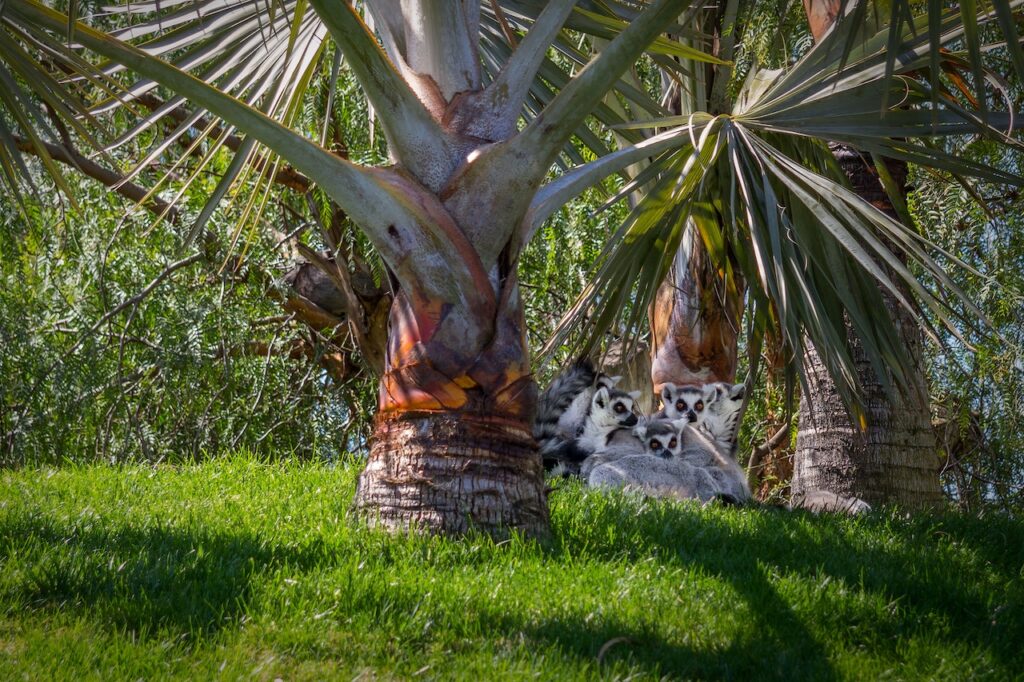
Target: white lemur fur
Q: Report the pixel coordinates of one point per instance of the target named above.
(650, 436)
(563, 406)
(608, 424)
(722, 415)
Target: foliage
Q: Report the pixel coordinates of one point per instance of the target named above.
(748, 169)
(53, 278)
(978, 389)
(238, 568)
(197, 367)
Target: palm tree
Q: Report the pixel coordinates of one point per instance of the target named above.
(468, 186)
(893, 457)
(695, 324)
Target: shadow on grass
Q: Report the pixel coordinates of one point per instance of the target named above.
(140, 580)
(189, 580)
(784, 649)
(902, 564)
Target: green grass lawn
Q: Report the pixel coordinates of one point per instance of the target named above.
(236, 569)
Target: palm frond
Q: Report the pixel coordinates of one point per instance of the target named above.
(45, 100)
(815, 255)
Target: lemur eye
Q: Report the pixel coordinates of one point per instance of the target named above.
(620, 408)
(699, 406)
(672, 443)
(655, 445)
(681, 406)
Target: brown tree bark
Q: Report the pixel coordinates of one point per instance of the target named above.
(695, 321)
(893, 457)
(452, 445)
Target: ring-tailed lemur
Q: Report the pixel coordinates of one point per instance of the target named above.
(686, 402)
(659, 471)
(696, 468)
(722, 415)
(699, 450)
(651, 436)
(563, 407)
(608, 424)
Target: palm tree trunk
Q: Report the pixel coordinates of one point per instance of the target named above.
(893, 459)
(695, 321)
(452, 472)
(696, 314)
(452, 447)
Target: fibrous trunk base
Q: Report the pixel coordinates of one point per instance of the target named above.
(894, 461)
(448, 473)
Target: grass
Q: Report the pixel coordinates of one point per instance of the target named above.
(237, 569)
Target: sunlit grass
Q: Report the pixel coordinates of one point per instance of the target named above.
(237, 569)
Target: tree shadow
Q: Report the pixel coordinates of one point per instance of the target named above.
(784, 649)
(822, 548)
(142, 580)
(189, 580)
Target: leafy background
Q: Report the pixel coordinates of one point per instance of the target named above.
(176, 378)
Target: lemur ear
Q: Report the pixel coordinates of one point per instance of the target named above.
(667, 390)
(601, 397)
(712, 392)
(738, 391)
(614, 381)
(640, 430)
(635, 395)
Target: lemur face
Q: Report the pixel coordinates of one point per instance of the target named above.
(660, 437)
(687, 402)
(613, 408)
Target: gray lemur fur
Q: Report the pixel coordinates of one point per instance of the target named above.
(571, 422)
(611, 410)
(698, 469)
(562, 409)
(701, 451)
(651, 436)
(654, 476)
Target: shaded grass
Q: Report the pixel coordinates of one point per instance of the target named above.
(240, 569)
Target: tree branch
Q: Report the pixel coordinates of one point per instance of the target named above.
(754, 465)
(408, 226)
(415, 137)
(505, 176)
(137, 298)
(112, 179)
(354, 311)
(499, 105)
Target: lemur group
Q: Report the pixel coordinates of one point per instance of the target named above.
(589, 428)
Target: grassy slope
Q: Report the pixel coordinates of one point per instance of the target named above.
(235, 568)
